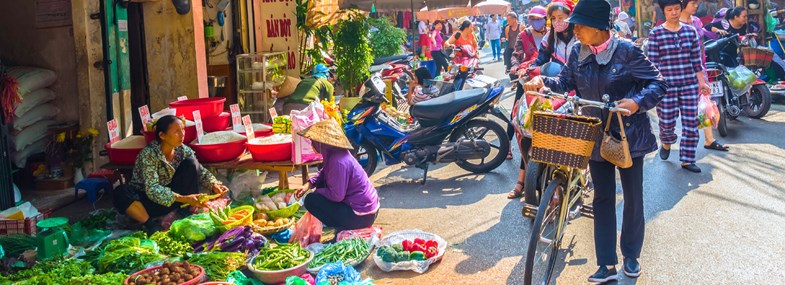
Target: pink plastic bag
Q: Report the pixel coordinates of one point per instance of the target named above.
(302, 119)
(308, 230)
(708, 113)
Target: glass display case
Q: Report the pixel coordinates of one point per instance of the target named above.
(257, 75)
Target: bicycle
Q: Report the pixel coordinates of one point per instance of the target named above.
(569, 180)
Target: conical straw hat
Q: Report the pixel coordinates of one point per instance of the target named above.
(327, 132)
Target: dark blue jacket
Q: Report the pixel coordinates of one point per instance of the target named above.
(628, 74)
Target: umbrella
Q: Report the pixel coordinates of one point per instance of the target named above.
(457, 12)
(497, 7)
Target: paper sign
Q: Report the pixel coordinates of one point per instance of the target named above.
(114, 131)
(273, 113)
(199, 127)
(144, 114)
(182, 98)
(237, 119)
(248, 128)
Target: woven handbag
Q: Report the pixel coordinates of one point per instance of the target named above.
(616, 151)
(564, 140)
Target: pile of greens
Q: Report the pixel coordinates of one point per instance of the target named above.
(128, 255)
(218, 265)
(170, 246)
(62, 271)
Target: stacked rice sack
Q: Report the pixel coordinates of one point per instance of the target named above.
(34, 114)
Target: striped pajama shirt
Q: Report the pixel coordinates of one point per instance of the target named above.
(678, 57)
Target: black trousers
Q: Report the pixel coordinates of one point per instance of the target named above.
(441, 61)
(336, 214)
(603, 175)
(518, 94)
(508, 57)
(184, 182)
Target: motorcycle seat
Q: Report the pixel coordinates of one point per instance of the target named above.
(380, 67)
(434, 111)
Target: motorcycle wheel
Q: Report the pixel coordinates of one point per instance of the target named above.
(722, 125)
(367, 156)
(759, 101)
(480, 128)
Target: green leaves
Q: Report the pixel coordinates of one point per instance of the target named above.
(387, 40)
(352, 51)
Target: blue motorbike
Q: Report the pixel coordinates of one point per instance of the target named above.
(449, 128)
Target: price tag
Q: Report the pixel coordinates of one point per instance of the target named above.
(199, 128)
(237, 119)
(248, 127)
(273, 113)
(144, 114)
(181, 98)
(114, 131)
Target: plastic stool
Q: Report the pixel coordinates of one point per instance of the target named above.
(107, 174)
(92, 186)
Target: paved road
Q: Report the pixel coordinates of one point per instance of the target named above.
(723, 226)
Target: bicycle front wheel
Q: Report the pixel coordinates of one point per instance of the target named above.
(545, 239)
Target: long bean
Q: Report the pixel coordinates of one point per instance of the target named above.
(283, 256)
(345, 251)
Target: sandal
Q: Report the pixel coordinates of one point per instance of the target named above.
(515, 193)
(716, 146)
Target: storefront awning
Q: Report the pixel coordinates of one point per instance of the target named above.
(405, 5)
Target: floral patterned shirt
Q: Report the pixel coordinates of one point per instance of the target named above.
(152, 173)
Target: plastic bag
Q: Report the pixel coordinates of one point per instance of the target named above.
(82, 236)
(246, 183)
(372, 234)
(350, 275)
(302, 119)
(305, 279)
(741, 79)
(194, 228)
(708, 113)
(771, 23)
(238, 278)
(419, 266)
(308, 230)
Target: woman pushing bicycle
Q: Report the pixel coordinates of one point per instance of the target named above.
(603, 64)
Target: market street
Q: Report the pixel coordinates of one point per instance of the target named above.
(723, 226)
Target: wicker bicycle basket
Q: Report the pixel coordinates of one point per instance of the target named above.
(757, 57)
(564, 140)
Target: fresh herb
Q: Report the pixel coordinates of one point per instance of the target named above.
(16, 244)
(55, 271)
(218, 265)
(128, 255)
(99, 219)
(170, 246)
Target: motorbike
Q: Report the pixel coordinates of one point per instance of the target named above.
(465, 55)
(450, 128)
(720, 58)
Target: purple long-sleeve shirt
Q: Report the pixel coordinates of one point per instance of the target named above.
(342, 179)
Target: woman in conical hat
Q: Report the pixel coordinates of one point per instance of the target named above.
(343, 196)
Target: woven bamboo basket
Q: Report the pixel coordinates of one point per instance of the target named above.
(757, 57)
(564, 140)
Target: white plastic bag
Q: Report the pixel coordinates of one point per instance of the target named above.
(419, 266)
(302, 119)
(246, 183)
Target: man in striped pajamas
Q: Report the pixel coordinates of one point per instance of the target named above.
(676, 50)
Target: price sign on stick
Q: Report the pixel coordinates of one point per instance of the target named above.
(114, 131)
(199, 127)
(273, 113)
(144, 114)
(248, 127)
(182, 98)
(237, 119)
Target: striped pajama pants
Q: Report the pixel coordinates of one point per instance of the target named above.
(680, 100)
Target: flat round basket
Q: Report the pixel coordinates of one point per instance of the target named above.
(419, 266)
(273, 230)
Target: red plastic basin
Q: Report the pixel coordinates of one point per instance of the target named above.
(217, 123)
(122, 156)
(211, 153)
(271, 152)
(208, 107)
(190, 135)
(260, 133)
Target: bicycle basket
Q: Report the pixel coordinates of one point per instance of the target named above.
(564, 140)
(757, 57)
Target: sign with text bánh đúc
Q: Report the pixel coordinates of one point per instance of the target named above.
(276, 30)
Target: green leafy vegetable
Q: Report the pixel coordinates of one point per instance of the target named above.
(128, 255)
(281, 256)
(55, 271)
(218, 265)
(170, 246)
(16, 244)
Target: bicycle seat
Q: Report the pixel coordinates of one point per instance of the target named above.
(434, 111)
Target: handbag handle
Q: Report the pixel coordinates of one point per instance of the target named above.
(621, 125)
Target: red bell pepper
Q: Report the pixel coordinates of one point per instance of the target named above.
(419, 241)
(419, 247)
(407, 245)
(431, 252)
(431, 243)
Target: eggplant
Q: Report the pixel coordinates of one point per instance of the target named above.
(234, 245)
(249, 244)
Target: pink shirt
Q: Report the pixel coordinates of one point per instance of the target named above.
(600, 48)
(438, 39)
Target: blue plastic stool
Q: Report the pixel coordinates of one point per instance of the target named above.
(92, 186)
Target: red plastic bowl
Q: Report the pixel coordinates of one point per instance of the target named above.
(208, 107)
(122, 156)
(260, 133)
(217, 123)
(190, 135)
(212, 153)
(271, 152)
(195, 281)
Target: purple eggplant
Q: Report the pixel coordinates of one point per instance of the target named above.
(233, 245)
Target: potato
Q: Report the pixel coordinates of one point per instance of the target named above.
(264, 216)
(285, 221)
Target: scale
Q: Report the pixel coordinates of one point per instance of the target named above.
(52, 240)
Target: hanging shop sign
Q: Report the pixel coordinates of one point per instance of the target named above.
(52, 13)
(275, 30)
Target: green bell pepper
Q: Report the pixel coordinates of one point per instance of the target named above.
(418, 255)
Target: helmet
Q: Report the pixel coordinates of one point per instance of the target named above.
(538, 12)
(320, 70)
(721, 13)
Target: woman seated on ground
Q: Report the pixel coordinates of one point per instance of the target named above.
(166, 176)
(344, 197)
(417, 91)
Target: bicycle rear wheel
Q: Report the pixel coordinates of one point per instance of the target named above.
(545, 241)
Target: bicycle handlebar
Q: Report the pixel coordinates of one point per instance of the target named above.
(581, 103)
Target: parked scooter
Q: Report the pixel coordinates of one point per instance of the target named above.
(455, 116)
(721, 55)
